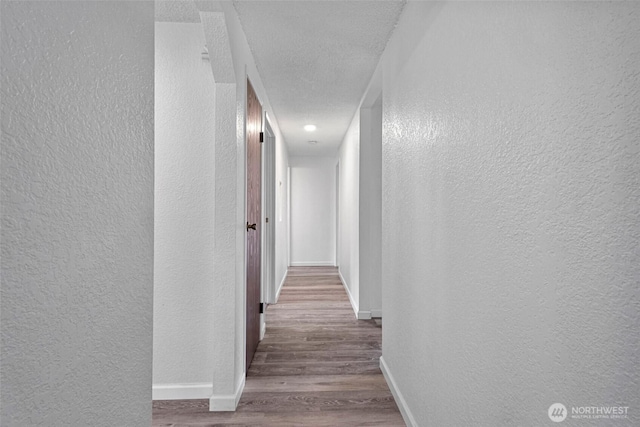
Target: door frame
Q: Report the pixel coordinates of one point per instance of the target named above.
(269, 218)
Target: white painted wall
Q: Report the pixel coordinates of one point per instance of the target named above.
(200, 234)
(349, 212)
(244, 66)
(511, 210)
(282, 213)
(360, 210)
(313, 207)
(370, 210)
(225, 37)
(77, 213)
(184, 277)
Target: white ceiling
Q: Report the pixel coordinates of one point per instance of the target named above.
(176, 11)
(315, 59)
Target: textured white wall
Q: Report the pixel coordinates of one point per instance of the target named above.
(313, 207)
(244, 66)
(282, 212)
(511, 210)
(184, 209)
(360, 209)
(77, 213)
(230, 232)
(349, 211)
(370, 211)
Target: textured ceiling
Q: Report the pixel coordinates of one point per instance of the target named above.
(315, 59)
(176, 11)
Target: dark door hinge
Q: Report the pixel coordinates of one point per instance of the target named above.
(262, 307)
(261, 136)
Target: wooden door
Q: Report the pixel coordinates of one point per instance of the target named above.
(254, 215)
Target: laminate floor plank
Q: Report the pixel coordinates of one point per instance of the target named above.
(339, 418)
(268, 402)
(321, 346)
(318, 356)
(309, 368)
(317, 366)
(319, 383)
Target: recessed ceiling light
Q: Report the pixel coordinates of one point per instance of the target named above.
(310, 128)
(312, 142)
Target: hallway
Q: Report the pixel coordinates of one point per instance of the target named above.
(316, 366)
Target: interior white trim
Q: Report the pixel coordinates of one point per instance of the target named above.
(227, 402)
(354, 305)
(376, 312)
(363, 315)
(181, 391)
(263, 329)
(397, 395)
(268, 229)
(284, 277)
(313, 264)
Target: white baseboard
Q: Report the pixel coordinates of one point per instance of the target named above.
(181, 391)
(263, 329)
(354, 305)
(360, 314)
(363, 315)
(227, 402)
(284, 278)
(397, 395)
(313, 264)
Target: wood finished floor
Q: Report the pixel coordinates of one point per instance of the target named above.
(317, 366)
